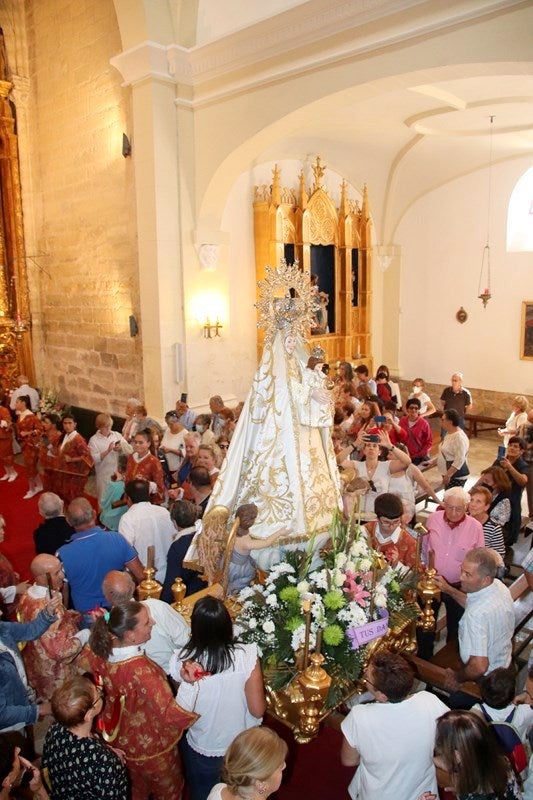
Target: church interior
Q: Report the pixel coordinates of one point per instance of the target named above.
(156, 156)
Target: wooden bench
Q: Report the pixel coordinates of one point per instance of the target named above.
(433, 672)
(489, 423)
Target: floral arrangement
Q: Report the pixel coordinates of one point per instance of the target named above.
(49, 403)
(352, 588)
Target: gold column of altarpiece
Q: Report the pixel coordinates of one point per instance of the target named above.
(15, 340)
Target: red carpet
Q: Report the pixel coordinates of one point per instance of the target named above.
(21, 518)
(313, 770)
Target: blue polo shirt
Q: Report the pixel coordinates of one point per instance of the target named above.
(87, 559)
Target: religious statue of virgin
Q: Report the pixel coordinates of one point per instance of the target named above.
(281, 456)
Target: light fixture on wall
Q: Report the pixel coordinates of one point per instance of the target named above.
(209, 327)
(484, 288)
(126, 146)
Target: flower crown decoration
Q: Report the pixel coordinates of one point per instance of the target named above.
(287, 301)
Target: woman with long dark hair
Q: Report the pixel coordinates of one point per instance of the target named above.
(229, 697)
(466, 748)
(140, 715)
(74, 461)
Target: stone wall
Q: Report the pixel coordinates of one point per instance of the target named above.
(484, 401)
(82, 206)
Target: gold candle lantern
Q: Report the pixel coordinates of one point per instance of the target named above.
(149, 587)
(178, 592)
(315, 683)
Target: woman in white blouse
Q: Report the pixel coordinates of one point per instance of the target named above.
(228, 692)
(105, 447)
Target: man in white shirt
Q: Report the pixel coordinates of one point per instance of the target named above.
(170, 632)
(487, 626)
(391, 741)
(145, 524)
(24, 389)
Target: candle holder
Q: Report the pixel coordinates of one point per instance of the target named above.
(428, 591)
(149, 587)
(178, 592)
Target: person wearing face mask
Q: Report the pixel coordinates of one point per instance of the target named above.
(419, 391)
(203, 427)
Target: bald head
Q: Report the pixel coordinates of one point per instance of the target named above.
(118, 587)
(46, 563)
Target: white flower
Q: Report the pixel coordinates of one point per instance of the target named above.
(341, 560)
(252, 623)
(268, 626)
(245, 593)
(291, 579)
(338, 577)
(350, 566)
(380, 600)
(352, 615)
(320, 579)
(303, 587)
(365, 565)
(272, 601)
(298, 637)
(358, 548)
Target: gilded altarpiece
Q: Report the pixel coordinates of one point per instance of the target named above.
(333, 244)
(15, 340)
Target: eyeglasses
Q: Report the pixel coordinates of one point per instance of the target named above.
(385, 522)
(100, 693)
(223, 446)
(454, 508)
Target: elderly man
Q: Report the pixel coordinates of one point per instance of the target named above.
(457, 397)
(184, 516)
(48, 659)
(55, 531)
(452, 533)
(23, 389)
(378, 737)
(487, 626)
(170, 631)
(147, 525)
(186, 416)
(216, 404)
(192, 445)
(91, 554)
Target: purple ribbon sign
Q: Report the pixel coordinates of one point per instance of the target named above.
(372, 630)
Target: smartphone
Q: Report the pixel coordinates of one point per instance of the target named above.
(380, 421)
(373, 437)
(501, 452)
(183, 398)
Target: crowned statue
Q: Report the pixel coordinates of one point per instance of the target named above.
(281, 455)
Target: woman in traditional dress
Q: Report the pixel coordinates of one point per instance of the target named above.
(95, 771)
(6, 445)
(48, 451)
(277, 459)
(140, 715)
(74, 462)
(142, 464)
(29, 430)
(104, 447)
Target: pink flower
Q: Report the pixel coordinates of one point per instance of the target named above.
(356, 591)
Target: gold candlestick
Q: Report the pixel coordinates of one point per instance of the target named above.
(149, 587)
(306, 606)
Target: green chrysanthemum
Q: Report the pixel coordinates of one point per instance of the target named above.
(333, 635)
(334, 600)
(289, 594)
(293, 623)
(394, 585)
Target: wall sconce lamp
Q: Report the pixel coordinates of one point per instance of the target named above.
(126, 146)
(209, 328)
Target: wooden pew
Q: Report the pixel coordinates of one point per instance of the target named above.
(489, 424)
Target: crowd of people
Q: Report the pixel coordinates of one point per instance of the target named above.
(134, 690)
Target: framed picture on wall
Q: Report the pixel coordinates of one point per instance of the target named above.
(526, 331)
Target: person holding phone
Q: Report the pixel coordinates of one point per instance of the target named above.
(17, 772)
(377, 473)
